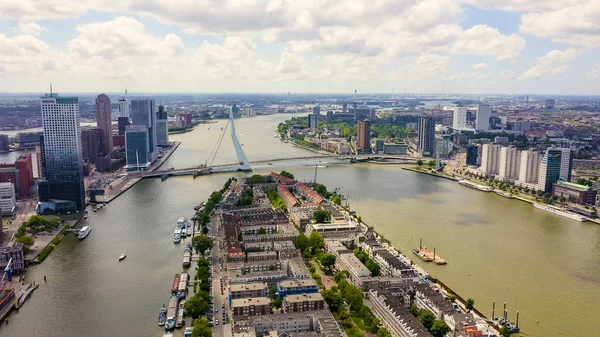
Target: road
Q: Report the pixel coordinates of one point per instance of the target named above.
(220, 270)
(25, 208)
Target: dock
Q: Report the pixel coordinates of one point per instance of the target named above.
(427, 255)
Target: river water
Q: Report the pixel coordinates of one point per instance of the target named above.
(545, 266)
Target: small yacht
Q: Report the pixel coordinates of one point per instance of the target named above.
(122, 257)
(84, 232)
(177, 236)
(162, 316)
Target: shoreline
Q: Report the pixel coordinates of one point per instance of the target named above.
(518, 197)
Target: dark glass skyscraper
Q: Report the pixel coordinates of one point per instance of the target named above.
(62, 158)
(426, 136)
(143, 113)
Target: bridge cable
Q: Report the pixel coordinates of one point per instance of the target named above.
(218, 145)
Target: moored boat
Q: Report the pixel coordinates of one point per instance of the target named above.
(558, 211)
(84, 232)
(122, 257)
(470, 184)
(26, 295)
(180, 321)
(187, 258)
(172, 312)
(175, 284)
(162, 316)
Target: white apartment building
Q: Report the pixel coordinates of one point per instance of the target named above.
(460, 118)
(490, 159)
(482, 121)
(530, 167)
(509, 164)
(8, 200)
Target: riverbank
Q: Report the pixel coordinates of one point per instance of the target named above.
(123, 184)
(515, 196)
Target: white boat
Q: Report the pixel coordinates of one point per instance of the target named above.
(84, 232)
(183, 232)
(177, 236)
(122, 257)
(182, 222)
(558, 211)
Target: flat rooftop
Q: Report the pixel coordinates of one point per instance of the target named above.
(303, 297)
(247, 286)
(300, 283)
(245, 302)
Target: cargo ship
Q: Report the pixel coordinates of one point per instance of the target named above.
(175, 284)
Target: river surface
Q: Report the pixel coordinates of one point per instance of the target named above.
(545, 266)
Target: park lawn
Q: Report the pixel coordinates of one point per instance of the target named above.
(359, 323)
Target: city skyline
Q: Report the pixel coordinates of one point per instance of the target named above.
(432, 46)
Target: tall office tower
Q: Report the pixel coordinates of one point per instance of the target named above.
(482, 118)
(38, 159)
(530, 166)
(472, 154)
(162, 127)
(103, 120)
(313, 121)
(4, 143)
(550, 104)
(364, 135)
(372, 114)
(316, 110)
(566, 164)
(122, 123)
(62, 157)
(550, 169)
(344, 107)
(143, 113)
(509, 165)
(124, 110)
(460, 118)
(93, 144)
(426, 136)
(137, 147)
(355, 111)
(490, 158)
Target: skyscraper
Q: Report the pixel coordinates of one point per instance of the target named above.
(162, 127)
(124, 106)
(490, 159)
(316, 110)
(93, 144)
(472, 154)
(550, 168)
(566, 164)
(364, 135)
(137, 145)
(143, 113)
(62, 157)
(426, 136)
(122, 123)
(460, 118)
(530, 167)
(313, 121)
(510, 163)
(482, 118)
(103, 119)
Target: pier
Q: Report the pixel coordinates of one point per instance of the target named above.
(427, 255)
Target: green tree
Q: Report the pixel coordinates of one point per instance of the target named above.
(316, 242)
(262, 231)
(287, 174)
(322, 215)
(340, 275)
(470, 304)
(201, 328)
(197, 305)
(327, 260)
(426, 318)
(419, 162)
(431, 163)
(504, 331)
(302, 242)
(413, 310)
(383, 332)
(26, 240)
(257, 179)
(278, 303)
(361, 255)
(451, 297)
(354, 298)
(216, 197)
(322, 190)
(373, 267)
(273, 292)
(201, 243)
(439, 328)
(336, 199)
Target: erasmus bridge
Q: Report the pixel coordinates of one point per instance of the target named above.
(243, 164)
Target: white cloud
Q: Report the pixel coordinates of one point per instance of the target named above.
(427, 67)
(480, 66)
(556, 62)
(507, 75)
(31, 28)
(484, 40)
(522, 5)
(572, 24)
(291, 63)
(595, 72)
(479, 75)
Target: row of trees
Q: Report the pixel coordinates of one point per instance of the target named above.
(276, 200)
(322, 215)
(373, 267)
(437, 327)
(199, 304)
(345, 296)
(201, 328)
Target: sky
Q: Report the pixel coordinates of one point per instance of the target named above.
(308, 46)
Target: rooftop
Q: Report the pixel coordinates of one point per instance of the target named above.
(303, 297)
(244, 302)
(247, 286)
(308, 282)
(579, 187)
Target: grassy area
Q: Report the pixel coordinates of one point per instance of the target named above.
(45, 252)
(359, 323)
